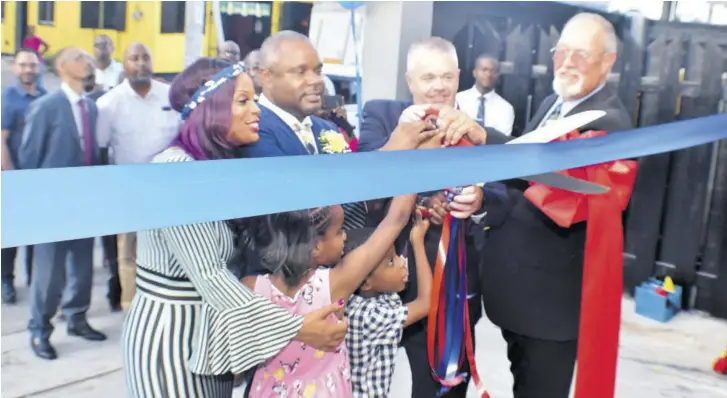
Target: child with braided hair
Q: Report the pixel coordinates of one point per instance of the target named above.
(303, 250)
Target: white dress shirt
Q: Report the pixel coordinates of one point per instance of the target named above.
(499, 114)
(109, 77)
(74, 98)
(304, 129)
(135, 129)
(567, 106)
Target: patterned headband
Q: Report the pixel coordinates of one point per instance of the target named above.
(211, 86)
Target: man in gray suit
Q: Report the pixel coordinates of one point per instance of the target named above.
(60, 131)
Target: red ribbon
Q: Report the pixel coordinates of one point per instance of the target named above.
(602, 287)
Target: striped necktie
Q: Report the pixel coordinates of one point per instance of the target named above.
(304, 131)
(554, 115)
(481, 111)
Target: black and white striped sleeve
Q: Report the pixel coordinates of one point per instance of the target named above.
(255, 328)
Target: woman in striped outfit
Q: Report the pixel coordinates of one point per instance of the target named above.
(192, 324)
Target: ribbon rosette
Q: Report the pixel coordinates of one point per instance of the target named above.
(334, 142)
(603, 263)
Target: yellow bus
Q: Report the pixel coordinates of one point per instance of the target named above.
(159, 25)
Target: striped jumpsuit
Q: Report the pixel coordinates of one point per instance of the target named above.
(192, 324)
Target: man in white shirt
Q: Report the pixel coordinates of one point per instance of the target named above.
(108, 71)
(482, 103)
(135, 123)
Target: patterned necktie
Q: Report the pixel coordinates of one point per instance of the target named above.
(554, 115)
(87, 140)
(305, 133)
(481, 111)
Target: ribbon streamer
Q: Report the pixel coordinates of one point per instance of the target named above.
(602, 286)
(49, 205)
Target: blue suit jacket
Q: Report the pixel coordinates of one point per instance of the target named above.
(278, 139)
(51, 138)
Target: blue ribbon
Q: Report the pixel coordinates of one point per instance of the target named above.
(49, 205)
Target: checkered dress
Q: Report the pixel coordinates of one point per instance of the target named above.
(375, 326)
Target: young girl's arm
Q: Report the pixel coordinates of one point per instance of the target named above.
(348, 275)
(249, 281)
(419, 308)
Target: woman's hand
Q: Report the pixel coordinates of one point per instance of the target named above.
(320, 332)
(408, 136)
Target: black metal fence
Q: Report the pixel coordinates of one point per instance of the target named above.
(677, 219)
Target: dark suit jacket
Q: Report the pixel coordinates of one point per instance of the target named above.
(531, 276)
(380, 118)
(278, 139)
(51, 138)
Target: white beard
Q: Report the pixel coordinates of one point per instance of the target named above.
(565, 89)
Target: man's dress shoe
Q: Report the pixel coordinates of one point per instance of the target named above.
(9, 296)
(84, 330)
(42, 348)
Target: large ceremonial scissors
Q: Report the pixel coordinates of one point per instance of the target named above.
(549, 132)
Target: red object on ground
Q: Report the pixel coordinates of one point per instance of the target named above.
(603, 263)
(720, 364)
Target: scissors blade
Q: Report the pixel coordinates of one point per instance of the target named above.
(558, 128)
(568, 183)
(551, 131)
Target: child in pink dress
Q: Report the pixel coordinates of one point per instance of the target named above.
(292, 246)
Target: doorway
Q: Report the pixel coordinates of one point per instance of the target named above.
(21, 22)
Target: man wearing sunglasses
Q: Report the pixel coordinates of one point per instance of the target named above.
(531, 288)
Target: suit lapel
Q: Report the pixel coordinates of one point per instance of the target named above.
(540, 114)
(595, 99)
(66, 109)
(285, 135)
(317, 128)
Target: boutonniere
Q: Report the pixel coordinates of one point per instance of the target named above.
(333, 142)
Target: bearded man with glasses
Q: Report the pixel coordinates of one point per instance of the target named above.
(532, 286)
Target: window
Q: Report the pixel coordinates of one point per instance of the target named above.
(45, 12)
(103, 15)
(173, 16)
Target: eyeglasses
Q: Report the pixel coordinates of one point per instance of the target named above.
(579, 57)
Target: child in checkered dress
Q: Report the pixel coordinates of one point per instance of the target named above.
(294, 246)
(376, 315)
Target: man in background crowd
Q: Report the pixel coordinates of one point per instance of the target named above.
(481, 102)
(252, 62)
(15, 102)
(135, 123)
(61, 132)
(230, 51)
(108, 71)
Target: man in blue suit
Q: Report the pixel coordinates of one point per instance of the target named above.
(292, 87)
(60, 131)
(433, 79)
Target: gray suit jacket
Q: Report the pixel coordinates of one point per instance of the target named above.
(51, 138)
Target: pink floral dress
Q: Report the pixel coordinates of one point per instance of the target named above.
(299, 371)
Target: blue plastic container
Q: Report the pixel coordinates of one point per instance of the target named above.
(652, 305)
